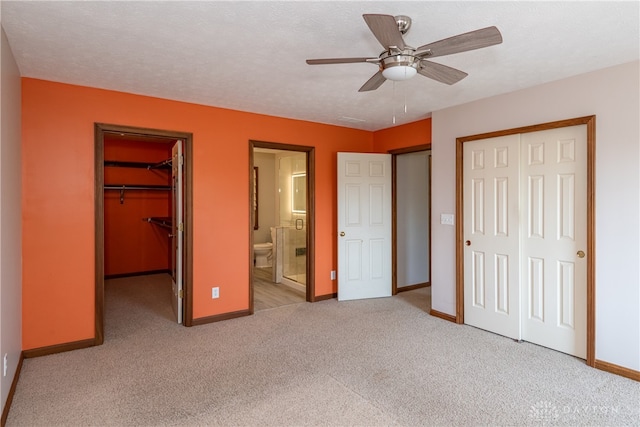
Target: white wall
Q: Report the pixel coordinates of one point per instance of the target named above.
(10, 216)
(412, 213)
(613, 95)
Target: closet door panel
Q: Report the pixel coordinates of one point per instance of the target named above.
(555, 205)
(491, 235)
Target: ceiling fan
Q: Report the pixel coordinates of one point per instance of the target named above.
(400, 61)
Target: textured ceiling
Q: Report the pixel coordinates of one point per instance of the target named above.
(250, 56)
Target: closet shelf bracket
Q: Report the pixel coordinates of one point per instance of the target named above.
(165, 222)
(165, 164)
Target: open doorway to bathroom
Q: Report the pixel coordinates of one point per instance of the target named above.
(281, 224)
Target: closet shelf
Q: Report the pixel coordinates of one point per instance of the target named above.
(162, 221)
(165, 164)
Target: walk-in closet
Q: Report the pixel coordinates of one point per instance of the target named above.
(138, 226)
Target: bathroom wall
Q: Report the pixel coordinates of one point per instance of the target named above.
(293, 253)
(266, 164)
(288, 164)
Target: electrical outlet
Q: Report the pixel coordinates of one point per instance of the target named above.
(4, 365)
(333, 275)
(215, 292)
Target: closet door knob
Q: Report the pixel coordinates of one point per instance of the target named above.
(467, 243)
(342, 234)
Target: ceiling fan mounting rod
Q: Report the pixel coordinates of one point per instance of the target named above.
(404, 23)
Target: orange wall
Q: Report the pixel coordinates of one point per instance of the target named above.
(58, 198)
(403, 136)
(130, 244)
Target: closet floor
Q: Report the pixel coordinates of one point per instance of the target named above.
(137, 302)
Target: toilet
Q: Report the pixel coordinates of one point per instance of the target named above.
(263, 252)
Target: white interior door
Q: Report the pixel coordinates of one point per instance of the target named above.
(364, 226)
(491, 234)
(525, 230)
(554, 239)
(177, 161)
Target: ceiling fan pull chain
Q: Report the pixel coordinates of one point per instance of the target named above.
(393, 101)
(404, 92)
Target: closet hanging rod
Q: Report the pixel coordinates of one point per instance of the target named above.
(123, 187)
(165, 164)
(136, 187)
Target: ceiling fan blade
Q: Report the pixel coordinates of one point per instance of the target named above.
(385, 28)
(461, 43)
(340, 60)
(441, 73)
(373, 83)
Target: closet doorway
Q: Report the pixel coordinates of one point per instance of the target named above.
(143, 199)
(411, 216)
(281, 244)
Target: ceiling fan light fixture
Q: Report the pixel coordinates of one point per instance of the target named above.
(399, 73)
(400, 61)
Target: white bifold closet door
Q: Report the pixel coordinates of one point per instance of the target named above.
(525, 233)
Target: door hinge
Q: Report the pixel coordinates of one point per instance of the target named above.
(181, 294)
(181, 159)
(181, 226)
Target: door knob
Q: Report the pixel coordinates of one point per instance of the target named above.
(580, 254)
(342, 234)
(467, 243)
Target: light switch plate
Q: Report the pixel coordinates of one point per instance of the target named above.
(446, 219)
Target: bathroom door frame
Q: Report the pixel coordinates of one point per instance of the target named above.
(100, 129)
(311, 192)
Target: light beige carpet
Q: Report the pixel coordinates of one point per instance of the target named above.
(378, 362)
